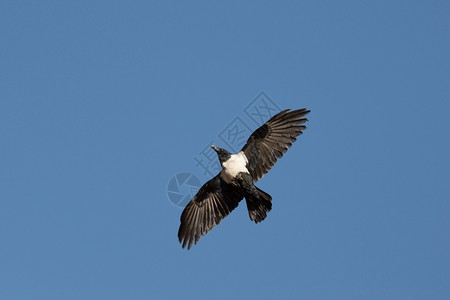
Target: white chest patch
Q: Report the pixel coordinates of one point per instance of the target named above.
(233, 166)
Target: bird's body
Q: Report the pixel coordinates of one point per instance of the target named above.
(236, 164)
(220, 195)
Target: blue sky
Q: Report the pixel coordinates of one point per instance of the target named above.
(102, 103)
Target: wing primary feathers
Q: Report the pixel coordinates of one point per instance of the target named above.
(270, 141)
(213, 202)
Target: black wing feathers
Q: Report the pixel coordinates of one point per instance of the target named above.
(213, 202)
(270, 141)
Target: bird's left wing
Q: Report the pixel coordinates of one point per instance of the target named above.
(270, 141)
(213, 202)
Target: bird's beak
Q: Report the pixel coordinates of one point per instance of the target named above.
(214, 147)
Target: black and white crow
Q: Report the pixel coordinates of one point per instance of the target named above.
(220, 195)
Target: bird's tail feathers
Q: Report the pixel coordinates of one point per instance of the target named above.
(258, 207)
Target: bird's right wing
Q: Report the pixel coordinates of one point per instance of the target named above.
(270, 141)
(213, 202)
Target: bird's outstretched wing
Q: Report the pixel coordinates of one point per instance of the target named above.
(213, 202)
(270, 141)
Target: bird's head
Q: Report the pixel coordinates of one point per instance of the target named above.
(223, 154)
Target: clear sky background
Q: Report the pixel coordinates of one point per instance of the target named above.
(103, 102)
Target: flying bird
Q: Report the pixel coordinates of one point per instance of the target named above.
(221, 194)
